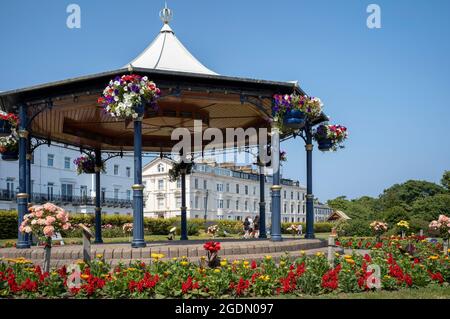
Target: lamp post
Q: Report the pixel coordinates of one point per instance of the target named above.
(206, 206)
(98, 208)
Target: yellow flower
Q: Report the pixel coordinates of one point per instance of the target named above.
(79, 262)
(131, 269)
(99, 256)
(174, 258)
(202, 257)
(302, 252)
(217, 270)
(348, 256)
(336, 254)
(350, 261)
(183, 257)
(282, 263)
(236, 262)
(84, 276)
(268, 257)
(264, 277)
(157, 256)
(246, 263)
(223, 263)
(318, 254)
(184, 263)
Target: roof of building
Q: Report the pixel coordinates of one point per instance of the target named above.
(338, 215)
(166, 52)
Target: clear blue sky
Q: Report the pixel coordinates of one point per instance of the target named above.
(389, 86)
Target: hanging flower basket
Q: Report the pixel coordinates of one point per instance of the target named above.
(8, 122)
(175, 171)
(330, 137)
(125, 93)
(86, 165)
(9, 148)
(294, 118)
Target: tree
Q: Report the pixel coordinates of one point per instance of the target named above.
(395, 214)
(430, 208)
(445, 181)
(405, 194)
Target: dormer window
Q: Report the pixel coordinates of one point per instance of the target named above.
(160, 168)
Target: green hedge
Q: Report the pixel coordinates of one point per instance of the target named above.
(8, 224)
(319, 227)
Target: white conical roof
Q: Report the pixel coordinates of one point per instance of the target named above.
(166, 52)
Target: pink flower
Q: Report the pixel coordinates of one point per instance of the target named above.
(50, 207)
(49, 231)
(66, 226)
(41, 221)
(39, 213)
(27, 229)
(50, 220)
(61, 215)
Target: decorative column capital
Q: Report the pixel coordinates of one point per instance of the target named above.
(138, 187)
(23, 133)
(309, 147)
(275, 187)
(22, 195)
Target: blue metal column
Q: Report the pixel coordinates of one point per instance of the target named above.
(98, 208)
(184, 233)
(262, 203)
(276, 187)
(309, 194)
(28, 181)
(138, 195)
(22, 196)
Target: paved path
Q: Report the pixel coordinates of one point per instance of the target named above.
(115, 253)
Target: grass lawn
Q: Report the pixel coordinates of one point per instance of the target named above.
(150, 238)
(432, 292)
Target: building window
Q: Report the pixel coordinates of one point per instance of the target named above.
(10, 188)
(228, 204)
(292, 208)
(284, 194)
(178, 201)
(220, 203)
(237, 205)
(128, 194)
(285, 208)
(292, 195)
(246, 189)
(205, 184)
(160, 168)
(298, 195)
(116, 193)
(67, 192)
(196, 183)
(237, 188)
(246, 205)
(83, 191)
(116, 169)
(50, 160)
(196, 201)
(103, 195)
(128, 170)
(254, 190)
(228, 187)
(160, 184)
(160, 203)
(66, 162)
(220, 187)
(179, 183)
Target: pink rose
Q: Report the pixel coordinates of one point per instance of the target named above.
(50, 220)
(50, 207)
(39, 213)
(49, 231)
(66, 226)
(41, 221)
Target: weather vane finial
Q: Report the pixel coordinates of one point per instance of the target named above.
(166, 14)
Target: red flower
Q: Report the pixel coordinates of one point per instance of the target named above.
(188, 285)
(254, 265)
(212, 246)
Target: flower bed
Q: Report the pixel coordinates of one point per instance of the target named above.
(181, 278)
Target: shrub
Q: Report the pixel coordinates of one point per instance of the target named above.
(319, 227)
(353, 227)
(8, 224)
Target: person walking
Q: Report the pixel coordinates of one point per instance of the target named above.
(250, 227)
(300, 229)
(255, 233)
(246, 227)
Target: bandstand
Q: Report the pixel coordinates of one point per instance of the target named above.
(67, 112)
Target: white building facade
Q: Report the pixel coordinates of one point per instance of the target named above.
(54, 178)
(215, 192)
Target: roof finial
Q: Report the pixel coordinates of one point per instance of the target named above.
(166, 14)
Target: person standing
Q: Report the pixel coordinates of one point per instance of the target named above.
(246, 227)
